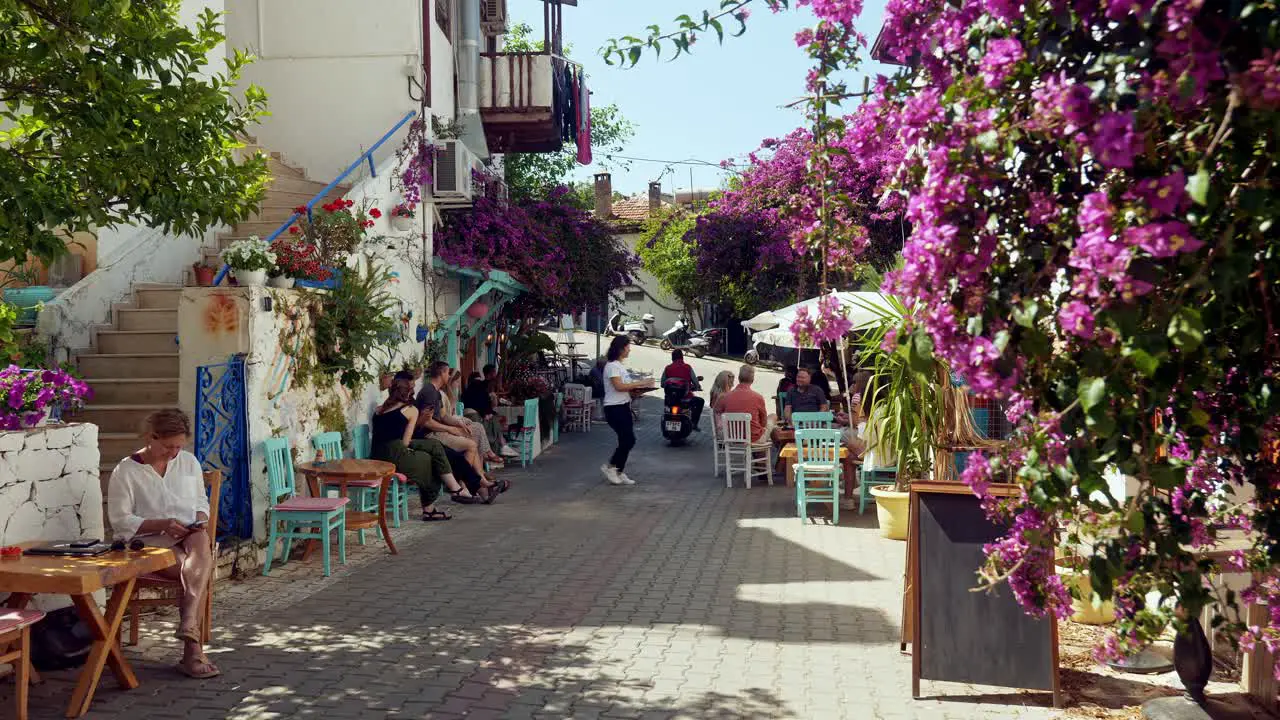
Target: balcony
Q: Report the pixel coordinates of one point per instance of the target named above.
(520, 101)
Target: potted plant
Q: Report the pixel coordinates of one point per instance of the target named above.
(415, 363)
(204, 273)
(296, 260)
(402, 216)
(907, 408)
(337, 229)
(33, 395)
(386, 373)
(250, 260)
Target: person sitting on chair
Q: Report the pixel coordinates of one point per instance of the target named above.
(805, 396)
(744, 399)
(479, 403)
(157, 495)
(680, 369)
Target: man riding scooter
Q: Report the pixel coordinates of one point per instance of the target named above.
(680, 369)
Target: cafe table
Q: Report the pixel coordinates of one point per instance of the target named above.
(80, 577)
(789, 452)
(350, 472)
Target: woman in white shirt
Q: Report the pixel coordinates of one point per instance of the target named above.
(157, 495)
(617, 409)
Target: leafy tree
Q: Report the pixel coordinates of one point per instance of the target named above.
(533, 175)
(670, 257)
(108, 119)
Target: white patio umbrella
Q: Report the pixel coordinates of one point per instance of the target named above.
(863, 309)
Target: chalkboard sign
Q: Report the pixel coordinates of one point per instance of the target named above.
(981, 638)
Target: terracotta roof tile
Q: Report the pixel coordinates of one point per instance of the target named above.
(632, 209)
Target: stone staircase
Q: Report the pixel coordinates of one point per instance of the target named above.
(133, 364)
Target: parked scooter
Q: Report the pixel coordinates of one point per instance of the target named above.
(638, 330)
(680, 338)
(677, 414)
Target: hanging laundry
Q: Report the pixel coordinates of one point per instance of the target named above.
(584, 125)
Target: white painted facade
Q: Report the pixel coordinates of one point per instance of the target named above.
(337, 75)
(646, 294)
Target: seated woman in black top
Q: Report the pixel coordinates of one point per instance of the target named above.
(477, 398)
(424, 462)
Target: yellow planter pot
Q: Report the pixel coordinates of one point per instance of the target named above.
(1084, 611)
(893, 511)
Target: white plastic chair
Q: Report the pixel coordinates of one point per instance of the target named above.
(741, 453)
(577, 407)
(717, 441)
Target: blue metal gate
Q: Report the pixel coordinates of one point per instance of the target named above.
(222, 441)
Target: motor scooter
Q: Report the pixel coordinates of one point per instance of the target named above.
(677, 413)
(638, 330)
(680, 338)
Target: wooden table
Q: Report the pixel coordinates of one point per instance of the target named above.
(342, 473)
(80, 577)
(789, 453)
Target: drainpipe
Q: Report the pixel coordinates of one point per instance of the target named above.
(468, 53)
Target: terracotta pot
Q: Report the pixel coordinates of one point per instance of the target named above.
(204, 274)
(384, 381)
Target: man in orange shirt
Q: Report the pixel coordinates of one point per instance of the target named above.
(743, 399)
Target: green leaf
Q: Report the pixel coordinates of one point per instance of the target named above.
(1092, 391)
(1198, 186)
(1186, 329)
(1145, 362)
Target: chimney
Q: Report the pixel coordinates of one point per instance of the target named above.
(604, 196)
(655, 197)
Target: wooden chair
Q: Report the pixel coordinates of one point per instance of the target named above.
(364, 492)
(15, 650)
(398, 493)
(577, 403)
(525, 436)
(873, 477)
(299, 518)
(813, 420)
(817, 471)
(741, 452)
(170, 591)
(717, 441)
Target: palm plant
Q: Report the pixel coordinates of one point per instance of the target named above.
(908, 390)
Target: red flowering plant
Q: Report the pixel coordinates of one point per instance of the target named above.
(1091, 188)
(403, 210)
(298, 259)
(337, 228)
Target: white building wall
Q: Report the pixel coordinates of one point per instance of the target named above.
(337, 74)
(664, 307)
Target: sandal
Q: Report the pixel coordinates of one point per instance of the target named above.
(500, 486)
(464, 499)
(435, 516)
(199, 668)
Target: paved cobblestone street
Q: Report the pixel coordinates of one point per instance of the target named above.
(569, 598)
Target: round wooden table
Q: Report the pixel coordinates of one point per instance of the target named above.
(356, 473)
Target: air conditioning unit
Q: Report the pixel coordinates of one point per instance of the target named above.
(493, 17)
(453, 181)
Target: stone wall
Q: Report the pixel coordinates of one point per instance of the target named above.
(49, 486)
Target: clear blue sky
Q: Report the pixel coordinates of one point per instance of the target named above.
(715, 104)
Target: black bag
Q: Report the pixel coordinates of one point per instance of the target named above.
(60, 641)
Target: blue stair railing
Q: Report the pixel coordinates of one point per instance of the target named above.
(365, 157)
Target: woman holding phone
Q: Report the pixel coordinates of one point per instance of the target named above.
(157, 495)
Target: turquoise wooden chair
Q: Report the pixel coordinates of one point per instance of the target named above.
(780, 403)
(817, 471)
(869, 478)
(525, 436)
(398, 494)
(460, 410)
(299, 518)
(363, 492)
(813, 420)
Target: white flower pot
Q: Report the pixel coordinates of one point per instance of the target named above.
(280, 282)
(251, 278)
(43, 420)
(401, 224)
